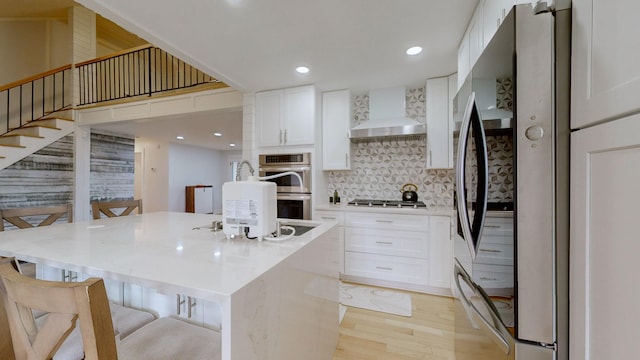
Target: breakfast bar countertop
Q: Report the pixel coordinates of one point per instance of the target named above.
(161, 249)
(258, 285)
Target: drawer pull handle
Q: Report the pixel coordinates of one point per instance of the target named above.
(492, 226)
(384, 268)
(327, 218)
(486, 278)
(385, 221)
(384, 242)
(491, 251)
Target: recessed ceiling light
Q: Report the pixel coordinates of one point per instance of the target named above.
(415, 50)
(217, 134)
(232, 144)
(180, 137)
(302, 69)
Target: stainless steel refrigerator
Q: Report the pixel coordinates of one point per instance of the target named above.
(511, 266)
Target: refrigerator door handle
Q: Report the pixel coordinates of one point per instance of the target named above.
(472, 231)
(498, 333)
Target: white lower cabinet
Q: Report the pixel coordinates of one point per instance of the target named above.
(493, 266)
(385, 267)
(339, 217)
(440, 252)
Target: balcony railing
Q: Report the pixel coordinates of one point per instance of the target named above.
(34, 98)
(140, 71)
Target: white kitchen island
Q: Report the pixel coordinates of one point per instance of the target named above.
(278, 300)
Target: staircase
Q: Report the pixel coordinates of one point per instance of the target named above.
(37, 111)
(24, 141)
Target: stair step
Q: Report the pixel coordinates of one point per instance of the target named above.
(17, 139)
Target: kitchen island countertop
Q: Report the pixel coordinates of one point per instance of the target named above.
(178, 253)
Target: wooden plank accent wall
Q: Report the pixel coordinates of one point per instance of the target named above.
(112, 166)
(47, 176)
(44, 178)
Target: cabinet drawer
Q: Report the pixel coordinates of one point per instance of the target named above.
(387, 242)
(493, 276)
(388, 221)
(495, 254)
(498, 230)
(330, 215)
(391, 268)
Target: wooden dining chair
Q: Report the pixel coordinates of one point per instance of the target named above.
(28, 217)
(108, 207)
(85, 304)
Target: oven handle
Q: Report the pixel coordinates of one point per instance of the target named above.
(292, 196)
(284, 168)
(498, 333)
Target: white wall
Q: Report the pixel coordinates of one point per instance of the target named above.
(190, 165)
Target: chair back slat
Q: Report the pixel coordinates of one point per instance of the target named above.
(24, 218)
(107, 208)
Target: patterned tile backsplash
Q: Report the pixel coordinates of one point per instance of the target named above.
(380, 169)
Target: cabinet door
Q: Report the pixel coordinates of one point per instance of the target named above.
(269, 116)
(336, 119)
(439, 132)
(604, 245)
(440, 256)
(491, 18)
(464, 65)
(299, 116)
(604, 60)
(476, 42)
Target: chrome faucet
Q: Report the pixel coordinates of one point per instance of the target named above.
(239, 169)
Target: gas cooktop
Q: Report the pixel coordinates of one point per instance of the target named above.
(387, 203)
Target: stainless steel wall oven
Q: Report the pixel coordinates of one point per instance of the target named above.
(294, 197)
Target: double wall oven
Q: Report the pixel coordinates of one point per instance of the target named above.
(293, 196)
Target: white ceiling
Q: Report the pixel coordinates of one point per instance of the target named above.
(255, 45)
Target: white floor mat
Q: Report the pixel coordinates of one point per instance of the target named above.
(375, 299)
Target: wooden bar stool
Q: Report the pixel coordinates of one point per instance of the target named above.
(86, 303)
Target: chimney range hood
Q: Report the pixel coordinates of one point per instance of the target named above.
(387, 119)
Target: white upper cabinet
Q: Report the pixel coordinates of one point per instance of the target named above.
(336, 120)
(484, 23)
(605, 79)
(439, 123)
(494, 13)
(286, 116)
(476, 35)
(464, 61)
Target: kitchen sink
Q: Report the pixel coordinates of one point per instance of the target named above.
(300, 229)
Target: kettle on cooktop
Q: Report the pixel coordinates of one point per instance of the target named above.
(409, 192)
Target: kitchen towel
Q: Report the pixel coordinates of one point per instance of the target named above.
(375, 299)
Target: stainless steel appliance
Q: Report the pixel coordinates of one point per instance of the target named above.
(293, 196)
(524, 317)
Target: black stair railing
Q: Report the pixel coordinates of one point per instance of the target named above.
(140, 71)
(36, 97)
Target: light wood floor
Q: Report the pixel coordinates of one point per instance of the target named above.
(372, 335)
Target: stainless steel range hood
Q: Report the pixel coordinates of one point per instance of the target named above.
(387, 120)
